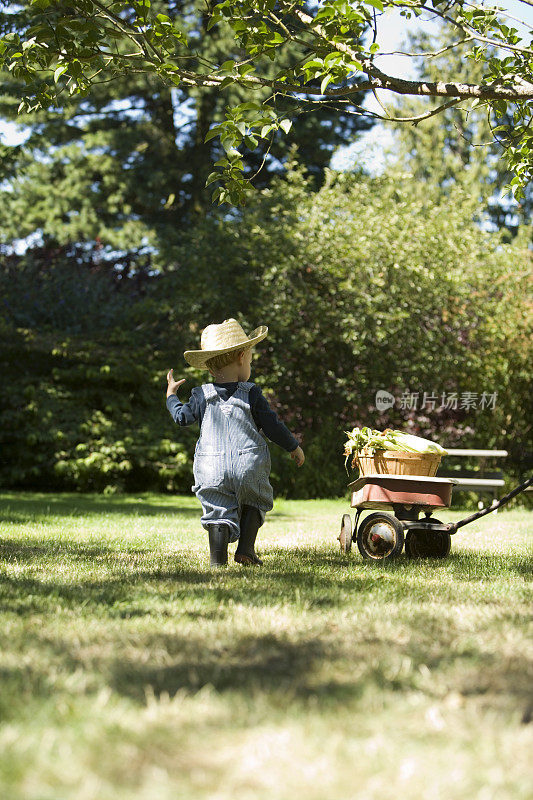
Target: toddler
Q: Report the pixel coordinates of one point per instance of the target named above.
(231, 460)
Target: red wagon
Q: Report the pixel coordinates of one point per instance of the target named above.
(381, 535)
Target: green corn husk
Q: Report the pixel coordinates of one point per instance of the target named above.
(415, 444)
(389, 439)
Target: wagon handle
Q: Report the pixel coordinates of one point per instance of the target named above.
(453, 527)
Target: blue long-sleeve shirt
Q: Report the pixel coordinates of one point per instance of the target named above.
(264, 417)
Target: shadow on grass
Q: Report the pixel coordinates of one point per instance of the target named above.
(249, 664)
(20, 509)
(140, 582)
(319, 665)
(300, 667)
(134, 591)
(298, 563)
(30, 550)
(463, 566)
(22, 595)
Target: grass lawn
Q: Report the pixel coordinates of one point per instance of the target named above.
(129, 670)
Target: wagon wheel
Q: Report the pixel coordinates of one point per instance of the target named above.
(380, 537)
(428, 544)
(345, 536)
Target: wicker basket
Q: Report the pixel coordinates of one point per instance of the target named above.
(394, 462)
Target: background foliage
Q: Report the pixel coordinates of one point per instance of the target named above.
(291, 58)
(458, 146)
(413, 282)
(126, 164)
(365, 284)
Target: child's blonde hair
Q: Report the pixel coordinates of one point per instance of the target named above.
(218, 362)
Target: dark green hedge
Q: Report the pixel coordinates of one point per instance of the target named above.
(366, 285)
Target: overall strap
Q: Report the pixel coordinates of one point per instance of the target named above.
(245, 386)
(210, 393)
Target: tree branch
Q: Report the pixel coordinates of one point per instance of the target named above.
(379, 80)
(430, 54)
(130, 32)
(475, 34)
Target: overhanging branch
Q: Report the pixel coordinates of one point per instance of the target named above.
(521, 90)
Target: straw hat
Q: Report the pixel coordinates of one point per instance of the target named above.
(224, 338)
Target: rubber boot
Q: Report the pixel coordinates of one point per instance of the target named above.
(218, 544)
(250, 524)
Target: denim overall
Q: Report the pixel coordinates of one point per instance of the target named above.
(231, 461)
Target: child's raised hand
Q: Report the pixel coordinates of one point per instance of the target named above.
(173, 385)
(298, 456)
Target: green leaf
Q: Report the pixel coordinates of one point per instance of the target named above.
(75, 69)
(228, 143)
(213, 21)
(333, 57)
(315, 62)
(325, 13)
(325, 81)
(227, 66)
(214, 176)
(212, 133)
(500, 107)
(60, 70)
(248, 107)
(238, 25)
(375, 3)
(285, 125)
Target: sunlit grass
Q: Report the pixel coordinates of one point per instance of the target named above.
(129, 670)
